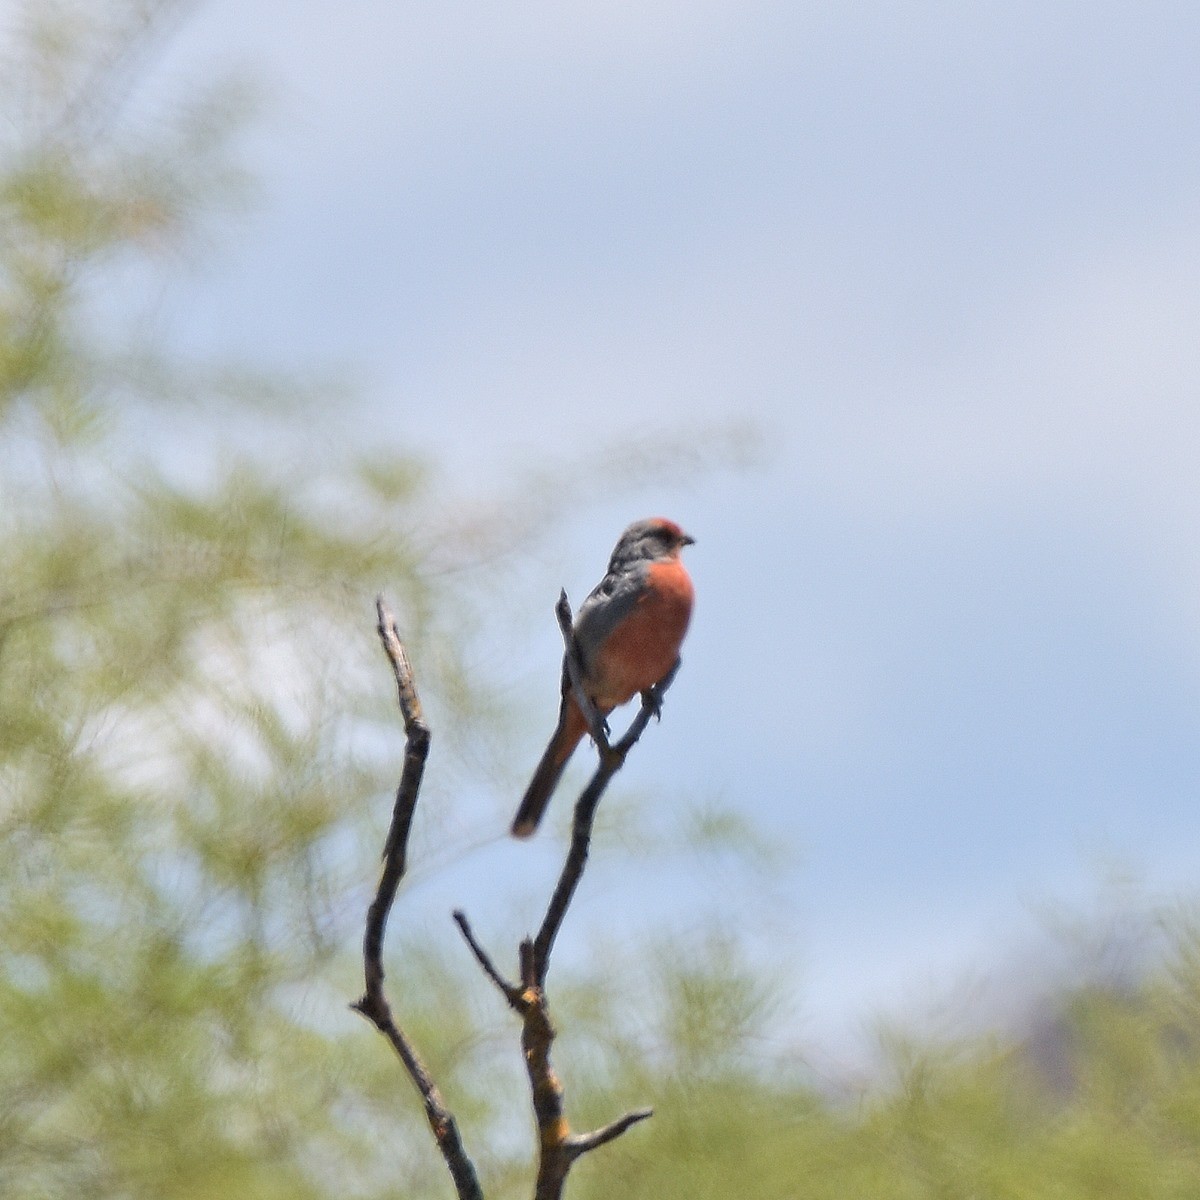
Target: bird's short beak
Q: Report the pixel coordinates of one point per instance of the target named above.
(687, 540)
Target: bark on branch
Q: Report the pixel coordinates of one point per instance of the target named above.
(559, 1147)
(612, 759)
(373, 1003)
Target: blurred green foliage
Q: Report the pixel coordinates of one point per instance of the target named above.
(191, 771)
(186, 789)
(1096, 1097)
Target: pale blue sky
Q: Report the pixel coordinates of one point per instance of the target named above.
(946, 257)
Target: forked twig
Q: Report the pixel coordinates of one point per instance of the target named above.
(559, 1147)
(612, 759)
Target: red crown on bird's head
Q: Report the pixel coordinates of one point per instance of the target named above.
(664, 528)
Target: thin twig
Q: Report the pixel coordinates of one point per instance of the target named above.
(559, 1147)
(373, 1004)
(572, 872)
(612, 758)
(583, 1142)
(510, 991)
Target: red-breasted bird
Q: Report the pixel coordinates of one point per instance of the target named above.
(627, 636)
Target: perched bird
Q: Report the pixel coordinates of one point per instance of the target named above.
(626, 637)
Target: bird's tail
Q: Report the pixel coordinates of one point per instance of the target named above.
(545, 779)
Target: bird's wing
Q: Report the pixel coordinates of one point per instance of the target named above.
(608, 604)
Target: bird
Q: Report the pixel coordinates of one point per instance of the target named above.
(626, 639)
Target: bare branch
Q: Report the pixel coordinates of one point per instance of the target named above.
(510, 992)
(612, 758)
(583, 1142)
(559, 1148)
(652, 700)
(572, 872)
(373, 1004)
